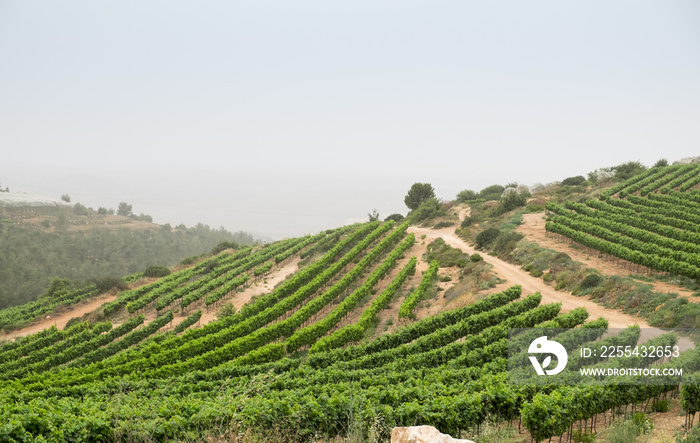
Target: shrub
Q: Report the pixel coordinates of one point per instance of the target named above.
(660, 406)
(466, 222)
(222, 246)
(104, 284)
(642, 423)
(492, 192)
(573, 181)
(486, 237)
(189, 260)
(156, 271)
(445, 254)
(476, 258)
(511, 201)
(506, 243)
(591, 281)
(80, 209)
(465, 196)
(102, 210)
(443, 224)
(628, 170)
(226, 310)
(395, 217)
(430, 208)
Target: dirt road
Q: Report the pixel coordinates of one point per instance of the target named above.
(514, 275)
(60, 320)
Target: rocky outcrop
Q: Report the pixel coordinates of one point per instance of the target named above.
(422, 434)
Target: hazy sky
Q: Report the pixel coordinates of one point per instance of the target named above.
(284, 118)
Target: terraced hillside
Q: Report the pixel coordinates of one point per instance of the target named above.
(651, 220)
(295, 363)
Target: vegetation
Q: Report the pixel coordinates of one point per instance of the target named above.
(30, 257)
(419, 193)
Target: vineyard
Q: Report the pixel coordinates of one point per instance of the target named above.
(649, 222)
(296, 360)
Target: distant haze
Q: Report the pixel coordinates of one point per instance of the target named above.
(284, 118)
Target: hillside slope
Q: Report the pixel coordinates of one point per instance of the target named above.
(41, 239)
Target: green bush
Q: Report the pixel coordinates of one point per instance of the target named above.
(642, 423)
(395, 217)
(582, 437)
(591, 281)
(443, 224)
(547, 277)
(492, 192)
(506, 243)
(80, 209)
(430, 208)
(476, 258)
(189, 260)
(486, 237)
(104, 284)
(156, 271)
(224, 245)
(510, 202)
(226, 310)
(446, 255)
(465, 196)
(466, 222)
(573, 181)
(660, 406)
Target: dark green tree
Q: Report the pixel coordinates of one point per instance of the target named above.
(373, 216)
(492, 192)
(124, 209)
(465, 196)
(418, 193)
(396, 217)
(661, 162)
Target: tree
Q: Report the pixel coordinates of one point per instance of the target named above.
(65, 198)
(102, 211)
(396, 217)
(492, 192)
(156, 271)
(373, 216)
(573, 181)
(465, 196)
(124, 209)
(661, 162)
(486, 237)
(418, 193)
(80, 209)
(628, 170)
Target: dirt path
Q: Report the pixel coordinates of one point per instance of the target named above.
(530, 284)
(60, 320)
(263, 286)
(533, 229)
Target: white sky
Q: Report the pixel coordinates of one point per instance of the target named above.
(283, 118)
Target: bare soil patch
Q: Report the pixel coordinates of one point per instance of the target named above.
(61, 319)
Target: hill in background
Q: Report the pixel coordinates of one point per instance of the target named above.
(42, 238)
